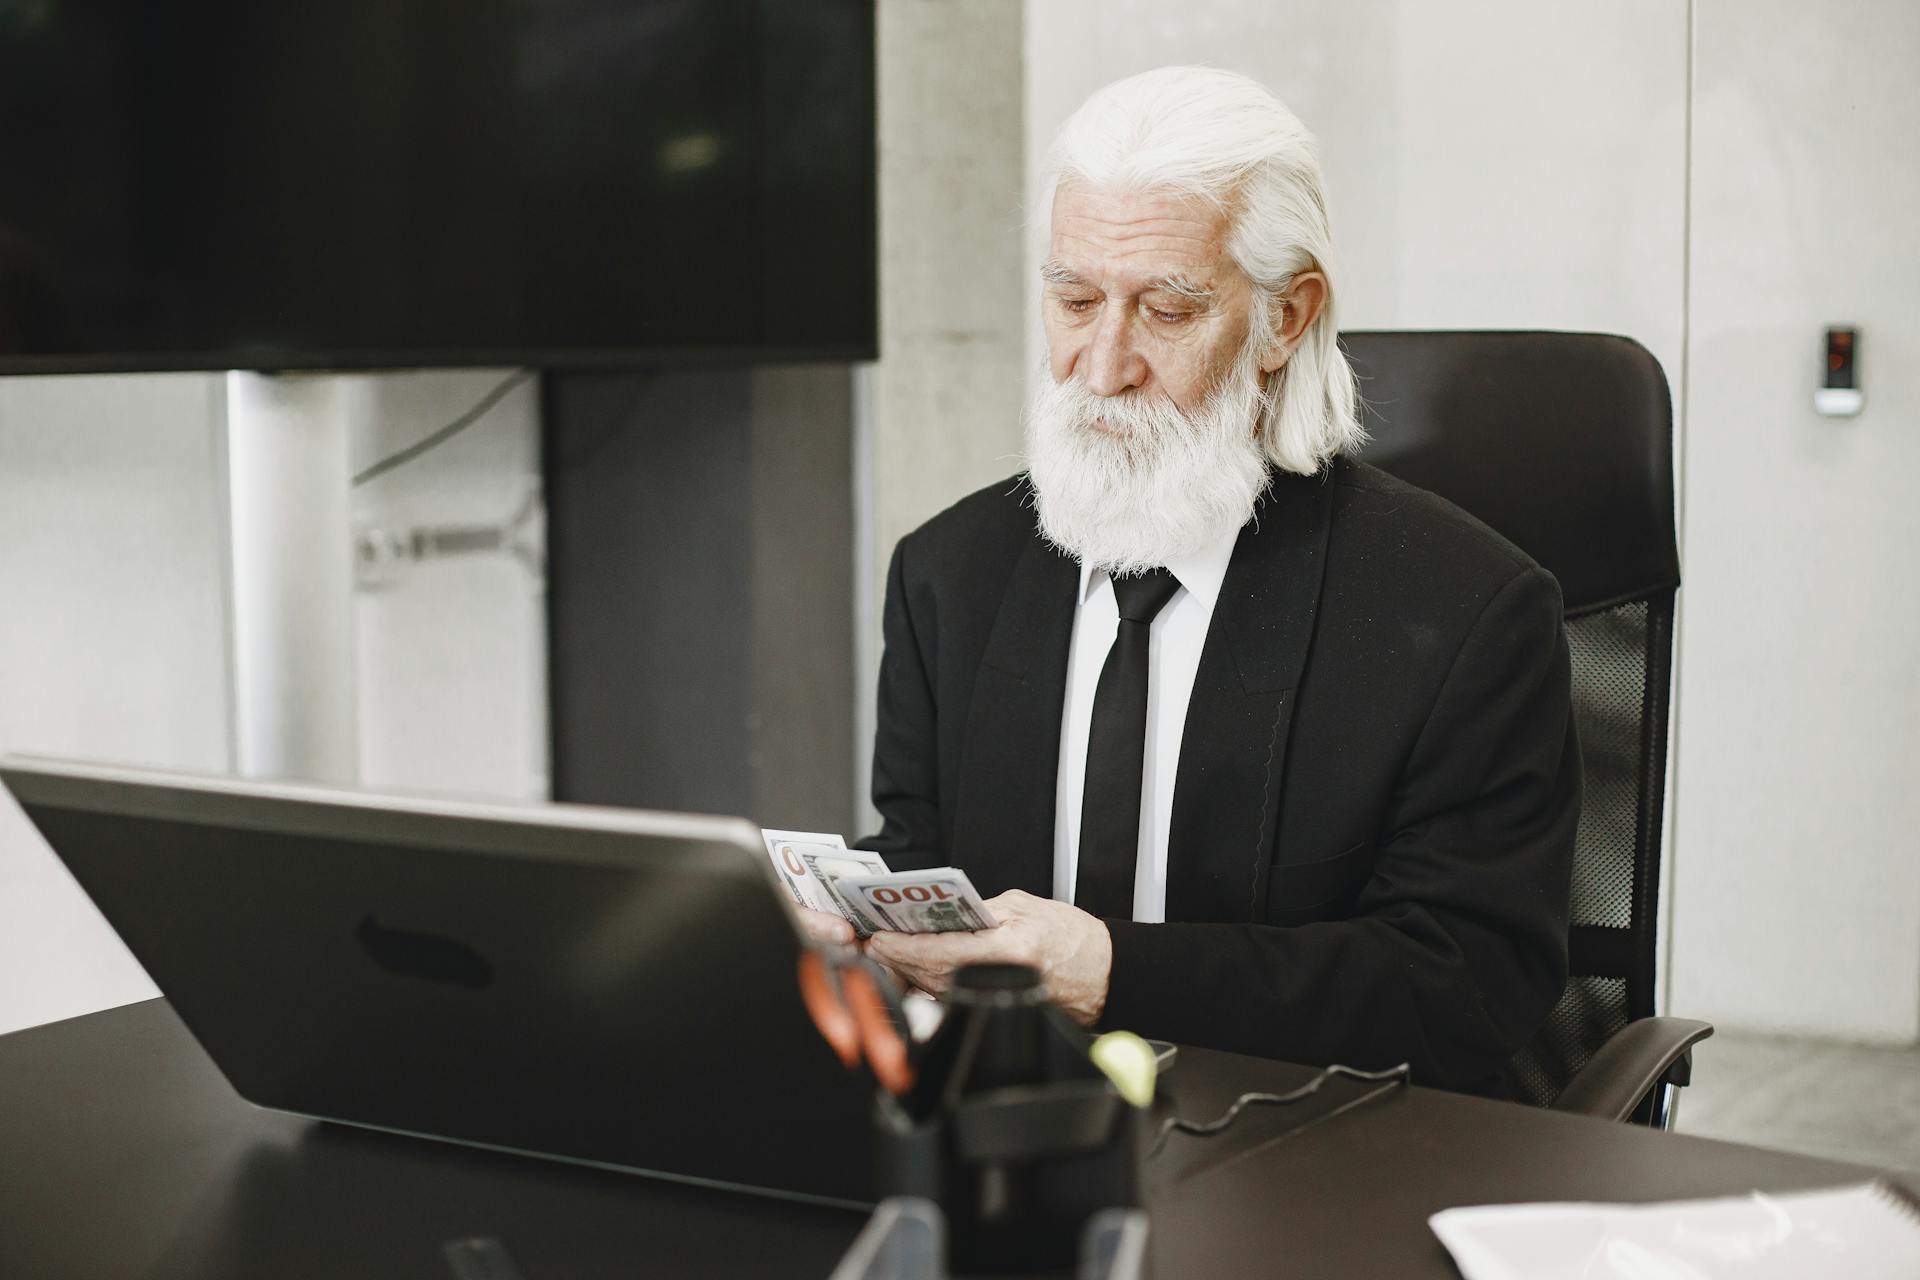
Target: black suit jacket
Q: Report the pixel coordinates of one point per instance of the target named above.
(1378, 785)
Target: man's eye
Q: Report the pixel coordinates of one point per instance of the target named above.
(1169, 317)
(1077, 305)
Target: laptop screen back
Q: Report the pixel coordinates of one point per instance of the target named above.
(601, 986)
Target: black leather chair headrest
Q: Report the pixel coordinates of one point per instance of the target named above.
(1563, 442)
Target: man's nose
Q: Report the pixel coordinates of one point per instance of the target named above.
(1114, 362)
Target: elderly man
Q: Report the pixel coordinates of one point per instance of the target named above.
(1259, 748)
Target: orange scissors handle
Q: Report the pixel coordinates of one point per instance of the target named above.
(849, 1006)
(886, 1048)
(831, 1017)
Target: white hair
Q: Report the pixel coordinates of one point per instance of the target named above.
(1221, 137)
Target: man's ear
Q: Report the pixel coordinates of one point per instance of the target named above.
(1294, 309)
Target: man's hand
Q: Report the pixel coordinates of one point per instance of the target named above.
(1071, 949)
(823, 926)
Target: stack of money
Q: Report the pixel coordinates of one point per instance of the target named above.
(822, 873)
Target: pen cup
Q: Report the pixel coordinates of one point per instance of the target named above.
(1010, 1129)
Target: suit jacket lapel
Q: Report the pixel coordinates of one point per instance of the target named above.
(1233, 754)
(1003, 829)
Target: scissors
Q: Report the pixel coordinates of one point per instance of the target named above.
(858, 1013)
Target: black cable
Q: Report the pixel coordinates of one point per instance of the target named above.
(1402, 1074)
(446, 433)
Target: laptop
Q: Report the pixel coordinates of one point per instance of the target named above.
(610, 987)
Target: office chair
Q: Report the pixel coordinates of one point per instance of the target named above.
(1562, 442)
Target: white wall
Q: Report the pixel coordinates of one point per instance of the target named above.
(1797, 887)
(453, 649)
(113, 635)
(1516, 164)
(112, 638)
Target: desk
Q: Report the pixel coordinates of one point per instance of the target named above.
(124, 1155)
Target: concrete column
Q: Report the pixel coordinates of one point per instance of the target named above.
(939, 415)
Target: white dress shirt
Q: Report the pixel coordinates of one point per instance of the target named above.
(1173, 658)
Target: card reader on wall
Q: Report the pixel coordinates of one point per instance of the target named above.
(1841, 396)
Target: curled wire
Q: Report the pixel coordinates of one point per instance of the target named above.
(1398, 1075)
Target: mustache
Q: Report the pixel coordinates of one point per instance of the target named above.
(1137, 428)
(1239, 392)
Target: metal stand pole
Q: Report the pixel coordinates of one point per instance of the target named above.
(289, 484)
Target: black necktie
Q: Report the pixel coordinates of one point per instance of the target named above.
(1117, 753)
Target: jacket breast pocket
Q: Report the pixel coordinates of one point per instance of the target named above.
(1305, 892)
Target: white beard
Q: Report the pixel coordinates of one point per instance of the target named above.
(1153, 483)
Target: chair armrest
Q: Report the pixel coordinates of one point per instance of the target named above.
(1629, 1065)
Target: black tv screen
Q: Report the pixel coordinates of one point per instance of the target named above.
(312, 184)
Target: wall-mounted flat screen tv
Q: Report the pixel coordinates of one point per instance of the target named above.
(351, 184)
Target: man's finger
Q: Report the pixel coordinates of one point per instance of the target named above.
(819, 926)
(917, 948)
(900, 976)
(944, 951)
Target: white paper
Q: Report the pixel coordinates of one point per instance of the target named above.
(1861, 1232)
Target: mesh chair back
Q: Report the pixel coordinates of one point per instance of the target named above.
(1563, 443)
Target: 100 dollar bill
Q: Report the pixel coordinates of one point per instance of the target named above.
(831, 868)
(821, 873)
(939, 901)
(799, 856)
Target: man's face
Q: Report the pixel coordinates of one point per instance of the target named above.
(1143, 444)
(1141, 295)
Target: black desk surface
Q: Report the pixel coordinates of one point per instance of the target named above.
(124, 1154)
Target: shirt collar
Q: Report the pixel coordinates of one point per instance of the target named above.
(1201, 572)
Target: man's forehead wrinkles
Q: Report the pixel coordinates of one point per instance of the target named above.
(1181, 230)
(1129, 246)
(1147, 221)
(1185, 251)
